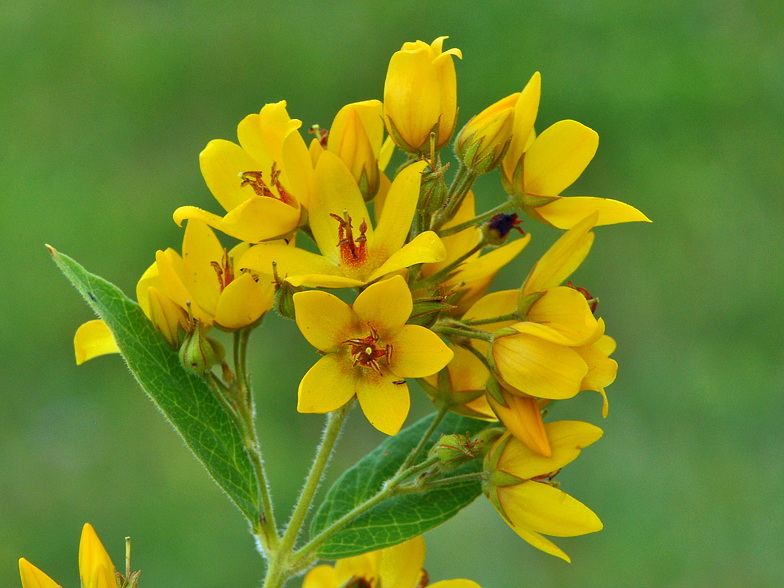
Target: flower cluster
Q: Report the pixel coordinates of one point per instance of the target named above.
(417, 260)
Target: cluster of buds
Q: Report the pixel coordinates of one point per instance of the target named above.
(418, 268)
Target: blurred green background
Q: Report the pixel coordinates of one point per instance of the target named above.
(104, 108)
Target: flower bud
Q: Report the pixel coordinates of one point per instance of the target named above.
(496, 231)
(198, 352)
(420, 95)
(483, 141)
(455, 450)
(356, 137)
(427, 310)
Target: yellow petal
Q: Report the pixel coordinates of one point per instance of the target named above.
(320, 577)
(325, 320)
(495, 304)
(525, 111)
(200, 249)
(558, 157)
(539, 542)
(32, 577)
(336, 192)
(425, 248)
(385, 305)
(324, 281)
(274, 125)
(537, 367)
(466, 372)
(418, 352)
(565, 256)
(252, 142)
(242, 302)
(370, 114)
(399, 209)
(150, 277)
(167, 316)
(191, 212)
(384, 402)
(328, 385)
(299, 167)
(606, 344)
(401, 565)
(545, 509)
(94, 563)
(260, 219)
(171, 271)
(378, 202)
(92, 339)
(565, 310)
(221, 164)
(361, 566)
(566, 438)
(565, 212)
(524, 420)
(290, 261)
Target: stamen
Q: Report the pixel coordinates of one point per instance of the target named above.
(352, 251)
(366, 353)
(255, 181)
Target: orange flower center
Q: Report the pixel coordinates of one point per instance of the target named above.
(253, 179)
(367, 352)
(352, 251)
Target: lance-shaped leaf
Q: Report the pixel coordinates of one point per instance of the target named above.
(402, 517)
(185, 399)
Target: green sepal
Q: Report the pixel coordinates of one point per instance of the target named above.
(185, 399)
(494, 390)
(525, 304)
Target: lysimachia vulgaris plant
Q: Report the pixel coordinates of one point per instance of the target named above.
(413, 261)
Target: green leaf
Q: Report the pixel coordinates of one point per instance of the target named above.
(185, 399)
(403, 517)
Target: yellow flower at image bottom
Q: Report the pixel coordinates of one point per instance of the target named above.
(368, 351)
(95, 567)
(399, 566)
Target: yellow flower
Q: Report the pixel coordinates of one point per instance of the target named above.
(353, 253)
(535, 170)
(474, 276)
(368, 349)
(520, 486)
(356, 136)
(420, 95)
(399, 566)
(204, 282)
(483, 141)
(95, 567)
(263, 183)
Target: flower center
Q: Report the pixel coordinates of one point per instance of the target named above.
(253, 179)
(352, 251)
(367, 352)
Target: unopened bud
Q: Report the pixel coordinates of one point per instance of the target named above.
(496, 230)
(432, 190)
(198, 353)
(455, 450)
(283, 300)
(427, 310)
(484, 140)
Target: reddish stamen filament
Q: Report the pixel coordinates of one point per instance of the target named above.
(367, 353)
(592, 302)
(254, 180)
(352, 251)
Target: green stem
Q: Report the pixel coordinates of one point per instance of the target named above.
(479, 356)
(267, 530)
(458, 332)
(460, 187)
(478, 219)
(512, 316)
(446, 270)
(335, 422)
(442, 410)
(454, 480)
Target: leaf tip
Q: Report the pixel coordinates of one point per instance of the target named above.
(52, 250)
